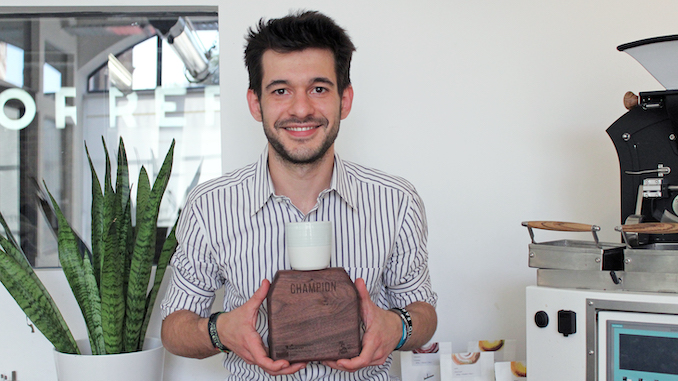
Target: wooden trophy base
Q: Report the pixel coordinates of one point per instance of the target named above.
(313, 316)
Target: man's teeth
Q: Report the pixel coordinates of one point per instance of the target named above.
(300, 128)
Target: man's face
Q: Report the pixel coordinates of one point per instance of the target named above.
(300, 105)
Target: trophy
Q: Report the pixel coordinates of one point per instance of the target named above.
(313, 309)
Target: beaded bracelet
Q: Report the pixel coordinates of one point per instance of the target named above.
(407, 325)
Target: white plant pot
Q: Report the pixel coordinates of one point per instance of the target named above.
(146, 365)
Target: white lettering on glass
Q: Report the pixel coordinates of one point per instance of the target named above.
(162, 107)
(61, 110)
(29, 105)
(126, 112)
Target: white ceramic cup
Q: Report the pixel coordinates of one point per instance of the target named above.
(309, 244)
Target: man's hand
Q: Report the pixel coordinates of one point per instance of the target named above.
(383, 330)
(237, 330)
(185, 333)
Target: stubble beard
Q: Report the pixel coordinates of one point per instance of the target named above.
(303, 156)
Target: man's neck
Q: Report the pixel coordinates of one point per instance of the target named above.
(302, 183)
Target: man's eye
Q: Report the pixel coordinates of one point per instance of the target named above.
(319, 90)
(279, 91)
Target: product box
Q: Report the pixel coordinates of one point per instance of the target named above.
(504, 350)
(423, 364)
(470, 366)
(510, 371)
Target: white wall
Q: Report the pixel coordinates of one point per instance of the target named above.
(495, 110)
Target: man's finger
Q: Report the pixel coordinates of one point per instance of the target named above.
(260, 295)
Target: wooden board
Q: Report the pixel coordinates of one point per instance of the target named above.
(313, 316)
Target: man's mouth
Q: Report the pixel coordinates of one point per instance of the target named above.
(300, 129)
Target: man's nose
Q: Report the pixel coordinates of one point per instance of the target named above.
(302, 105)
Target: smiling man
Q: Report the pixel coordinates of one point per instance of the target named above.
(231, 232)
(301, 98)
(300, 106)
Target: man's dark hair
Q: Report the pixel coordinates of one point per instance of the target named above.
(297, 32)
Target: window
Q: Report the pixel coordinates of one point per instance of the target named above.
(70, 79)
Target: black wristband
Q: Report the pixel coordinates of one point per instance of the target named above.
(407, 324)
(214, 334)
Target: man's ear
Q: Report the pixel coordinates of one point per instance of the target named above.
(346, 101)
(254, 105)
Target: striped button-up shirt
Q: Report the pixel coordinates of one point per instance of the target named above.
(231, 235)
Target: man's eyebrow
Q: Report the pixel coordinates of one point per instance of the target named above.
(277, 82)
(324, 80)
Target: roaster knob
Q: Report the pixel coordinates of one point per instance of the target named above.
(541, 319)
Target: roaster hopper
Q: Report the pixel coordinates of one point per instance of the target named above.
(646, 140)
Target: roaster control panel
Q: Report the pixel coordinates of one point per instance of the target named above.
(640, 347)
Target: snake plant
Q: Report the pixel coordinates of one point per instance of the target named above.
(110, 281)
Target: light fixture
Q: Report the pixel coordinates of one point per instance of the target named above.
(182, 38)
(118, 74)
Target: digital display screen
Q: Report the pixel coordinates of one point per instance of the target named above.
(648, 353)
(641, 350)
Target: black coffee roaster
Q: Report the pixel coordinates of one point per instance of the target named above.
(646, 140)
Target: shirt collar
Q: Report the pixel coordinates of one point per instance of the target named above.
(263, 184)
(342, 183)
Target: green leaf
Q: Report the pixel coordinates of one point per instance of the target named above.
(95, 326)
(112, 264)
(168, 249)
(12, 248)
(123, 210)
(144, 251)
(9, 235)
(122, 188)
(79, 273)
(35, 304)
(97, 220)
(161, 181)
(126, 241)
(48, 212)
(140, 264)
(112, 293)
